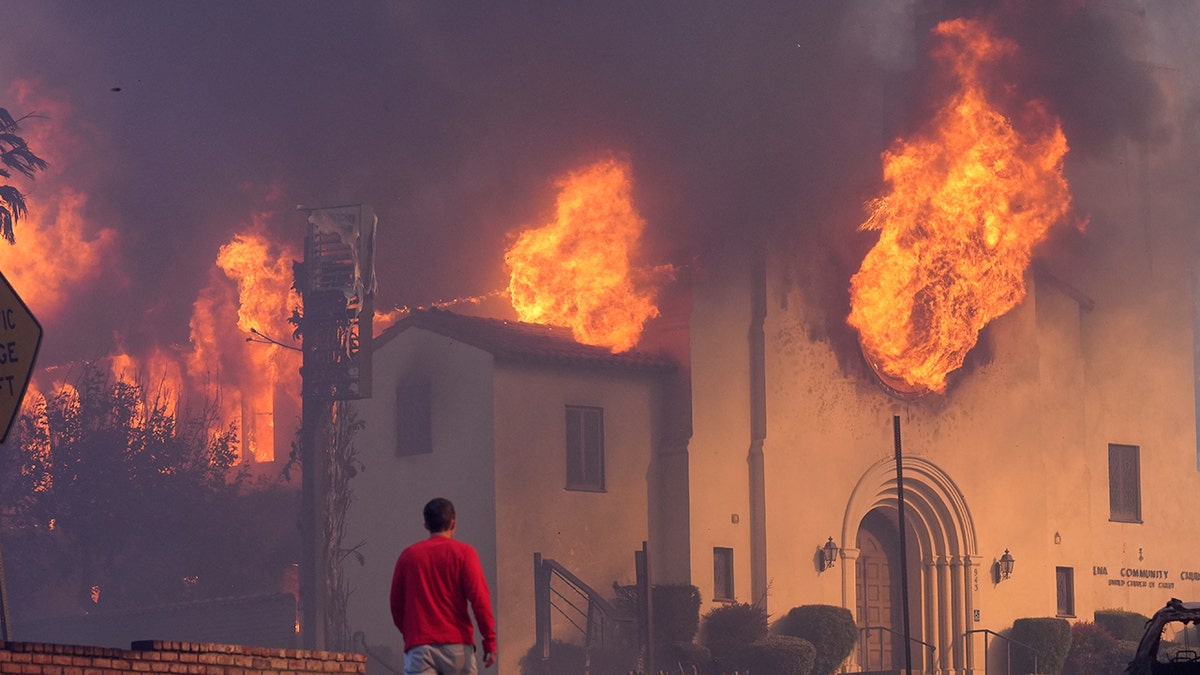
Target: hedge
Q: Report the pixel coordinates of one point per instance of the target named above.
(1049, 637)
(1121, 624)
(830, 629)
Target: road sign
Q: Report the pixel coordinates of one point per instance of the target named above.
(20, 337)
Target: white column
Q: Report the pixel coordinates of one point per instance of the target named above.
(970, 578)
(850, 596)
(929, 613)
(944, 611)
(958, 613)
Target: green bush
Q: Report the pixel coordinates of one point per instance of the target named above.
(1049, 637)
(1122, 625)
(567, 658)
(676, 613)
(777, 655)
(676, 610)
(1094, 651)
(831, 631)
(729, 629)
(686, 657)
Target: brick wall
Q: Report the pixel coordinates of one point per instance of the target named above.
(158, 656)
(267, 620)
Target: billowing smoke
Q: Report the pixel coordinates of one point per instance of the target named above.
(175, 126)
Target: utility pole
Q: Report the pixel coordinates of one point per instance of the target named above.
(336, 281)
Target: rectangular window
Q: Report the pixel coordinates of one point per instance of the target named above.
(722, 574)
(585, 448)
(1065, 582)
(1124, 484)
(414, 417)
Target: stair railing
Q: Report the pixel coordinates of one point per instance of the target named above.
(866, 645)
(582, 607)
(1008, 643)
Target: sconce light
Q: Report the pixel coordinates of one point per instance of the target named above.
(828, 554)
(1005, 566)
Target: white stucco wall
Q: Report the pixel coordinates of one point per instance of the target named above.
(593, 534)
(1022, 432)
(717, 468)
(391, 491)
(499, 455)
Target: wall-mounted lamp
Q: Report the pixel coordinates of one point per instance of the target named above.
(828, 554)
(1004, 568)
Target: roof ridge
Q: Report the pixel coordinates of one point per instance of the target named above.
(514, 340)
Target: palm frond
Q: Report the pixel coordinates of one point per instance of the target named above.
(14, 151)
(7, 123)
(6, 225)
(11, 210)
(22, 159)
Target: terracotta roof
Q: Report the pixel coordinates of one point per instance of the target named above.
(524, 342)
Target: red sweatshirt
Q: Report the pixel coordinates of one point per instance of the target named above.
(433, 582)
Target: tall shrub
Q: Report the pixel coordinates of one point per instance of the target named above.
(676, 613)
(1049, 637)
(1121, 624)
(728, 629)
(568, 658)
(777, 655)
(1094, 651)
(831, 631)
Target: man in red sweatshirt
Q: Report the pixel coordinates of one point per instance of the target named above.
(434, 581)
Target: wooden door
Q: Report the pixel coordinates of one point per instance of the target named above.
(878, 591)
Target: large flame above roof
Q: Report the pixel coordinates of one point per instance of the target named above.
(576, 271)
(969, 199)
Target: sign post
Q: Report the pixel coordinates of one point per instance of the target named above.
(20, 337)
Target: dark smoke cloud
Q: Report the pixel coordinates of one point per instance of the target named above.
(1088, 60)
(452, 119)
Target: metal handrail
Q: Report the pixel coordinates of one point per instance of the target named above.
(1009, 642)
(866, 643)
(598, 609)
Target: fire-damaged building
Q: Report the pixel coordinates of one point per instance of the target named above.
(1051, 478)
(796, 428)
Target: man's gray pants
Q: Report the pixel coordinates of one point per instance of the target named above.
(444, 659)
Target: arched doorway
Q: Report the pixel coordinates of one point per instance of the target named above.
(942, 567)
(878, 608)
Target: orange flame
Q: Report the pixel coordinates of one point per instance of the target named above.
(160, 373)
(261, 299)
(60, 251)
(57, 251)
(576, 271)
(969, 200)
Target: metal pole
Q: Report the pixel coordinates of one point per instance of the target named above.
(646, 591)
(541, 607)
(903, 547)
(5, 620)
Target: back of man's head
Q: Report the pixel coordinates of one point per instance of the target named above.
(439, 515)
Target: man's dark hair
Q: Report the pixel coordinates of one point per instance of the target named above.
(439, 514)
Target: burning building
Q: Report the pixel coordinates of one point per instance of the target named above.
(991, 412)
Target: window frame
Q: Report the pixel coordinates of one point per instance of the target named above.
(723, 581)
(1064, 585)
(1124, 483)
(584, 452)
(414, 416)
